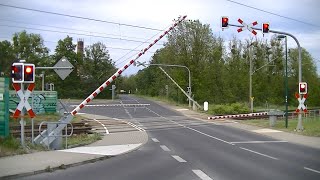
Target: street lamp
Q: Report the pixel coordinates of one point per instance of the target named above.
(172, 65)
(286, 78)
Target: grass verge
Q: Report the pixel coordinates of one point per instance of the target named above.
(83, 139)
(311, 125)
(11, 146)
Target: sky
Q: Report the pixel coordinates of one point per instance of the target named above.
(299, 18)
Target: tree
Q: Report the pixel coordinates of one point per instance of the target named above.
(6, 57)
(30, 47)
(71, 86)
(97, 67)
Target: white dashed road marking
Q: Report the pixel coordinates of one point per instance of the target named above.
(259, 153)
(165, 148)
(178, 158)
(201, 174)
(155, 140)
(312, 170)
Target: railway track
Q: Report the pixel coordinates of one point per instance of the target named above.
(78, 128)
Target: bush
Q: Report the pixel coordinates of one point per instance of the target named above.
(234, 108)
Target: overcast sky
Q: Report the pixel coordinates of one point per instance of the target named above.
(158, 15)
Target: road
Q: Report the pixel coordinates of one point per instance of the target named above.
(183, 148)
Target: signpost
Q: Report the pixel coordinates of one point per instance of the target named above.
(23, 99)
(301, 103)
(63, 68)
(246, 26)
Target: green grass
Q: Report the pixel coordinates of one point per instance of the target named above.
(11, 146)
(83, 139)
(311, 125)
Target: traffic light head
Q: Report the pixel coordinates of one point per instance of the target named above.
(224, 22)
(303, 88)
(29, 73)
(265, 27)
(17, 72)
(22, 73)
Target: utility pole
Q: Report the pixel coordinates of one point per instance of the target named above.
(250, 81)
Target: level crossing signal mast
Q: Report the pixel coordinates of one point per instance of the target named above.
(22, 73)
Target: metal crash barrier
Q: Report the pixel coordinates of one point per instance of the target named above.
(57, 143)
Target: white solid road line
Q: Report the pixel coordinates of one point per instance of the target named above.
(165, 148)
(259, 153)
(209, 135)
(253, 142)
(105, 128)
(191, 128)
(155, 140)
(201, 174)
(178, 158)
(312, 170)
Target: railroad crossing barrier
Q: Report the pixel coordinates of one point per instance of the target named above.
(239, 115)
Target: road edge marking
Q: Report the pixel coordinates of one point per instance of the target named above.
(104, 126)
(261, 154)
(257, 142)
(312, 170)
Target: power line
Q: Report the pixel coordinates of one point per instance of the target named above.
(241, 4)
(59, 27)
(81, 34)
(79, 17)
(135, 49)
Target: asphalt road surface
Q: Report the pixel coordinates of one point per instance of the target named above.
(183, 148)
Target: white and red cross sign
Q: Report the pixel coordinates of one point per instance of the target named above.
(23, 100)
(301, 103)
(246, 26)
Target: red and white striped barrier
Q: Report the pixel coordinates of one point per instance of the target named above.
(120, 70)
(23, 100)
(239, 115)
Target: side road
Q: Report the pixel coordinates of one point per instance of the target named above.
(313, 142)
(46, 161)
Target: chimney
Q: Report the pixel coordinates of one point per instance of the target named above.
(80, 46)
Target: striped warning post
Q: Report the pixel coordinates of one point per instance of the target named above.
(121, 70)
(238, 115)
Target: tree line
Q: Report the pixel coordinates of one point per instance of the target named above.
(90, 67)
(220, 69)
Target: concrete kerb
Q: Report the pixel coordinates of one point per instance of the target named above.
(49, 169)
